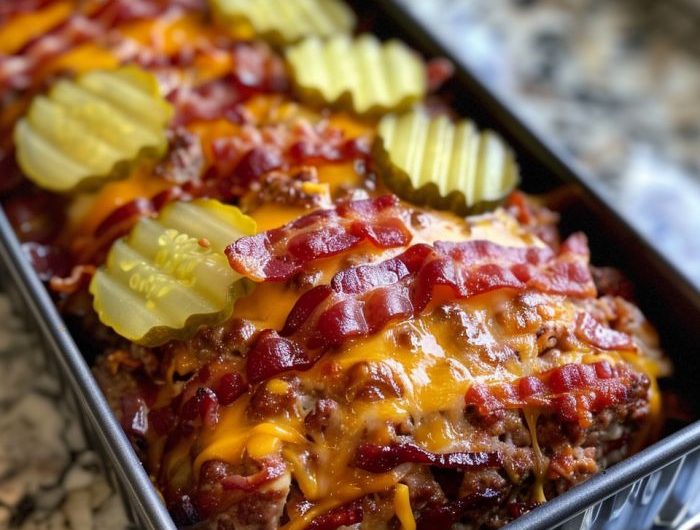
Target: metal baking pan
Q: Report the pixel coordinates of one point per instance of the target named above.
(655, 488)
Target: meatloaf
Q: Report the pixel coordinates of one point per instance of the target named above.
(471, 412)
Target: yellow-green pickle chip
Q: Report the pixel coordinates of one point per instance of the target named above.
(447, 165)
(92, 128)
(286, 21)
(170, 275)
(362, 74)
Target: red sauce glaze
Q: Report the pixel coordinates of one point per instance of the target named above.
(573, 391)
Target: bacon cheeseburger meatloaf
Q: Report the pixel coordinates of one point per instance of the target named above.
(315, 299)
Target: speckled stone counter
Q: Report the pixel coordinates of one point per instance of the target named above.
(49, 479)
(614, 86)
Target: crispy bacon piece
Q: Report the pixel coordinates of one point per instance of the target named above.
(534, 217)
(258, 69)
(254, 164)
(474, 267)
(209, 101)
(78, 279)
(272, 354)
(215, 385)
(220, 484)
(362, 300)
(279, 254)
(445, 515)
(121, 220)
(322, 143)
(114, 12)
(612, 282)
(36, 216)
(271, 469)
(573, 391)
(230, 387)
(255, 151)
(20, 71)
(162, 420)
(203, 406)
(11, 9)
(589, 330)
(345, 515)
(440, 70)
(383, 458)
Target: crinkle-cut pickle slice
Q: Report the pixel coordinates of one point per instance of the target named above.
(362, 74)
(169, 275)
(92, 128)
(447, 165)
(287, 21)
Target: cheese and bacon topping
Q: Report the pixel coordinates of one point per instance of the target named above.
(402, 348)
(288, 344)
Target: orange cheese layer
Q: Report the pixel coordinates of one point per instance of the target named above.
(27, 26)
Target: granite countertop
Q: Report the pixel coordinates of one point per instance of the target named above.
(615, 85)
(49, 480)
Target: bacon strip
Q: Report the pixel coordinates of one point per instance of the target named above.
(79, 278)
(589, 330)
(19, 71)
(271, 469)
(383, 458)
(362, 300)
(345, 515)
(273, 354)
(438, 516)
(279, 254)
(48, 261)
(573, 391)
(93, 21)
